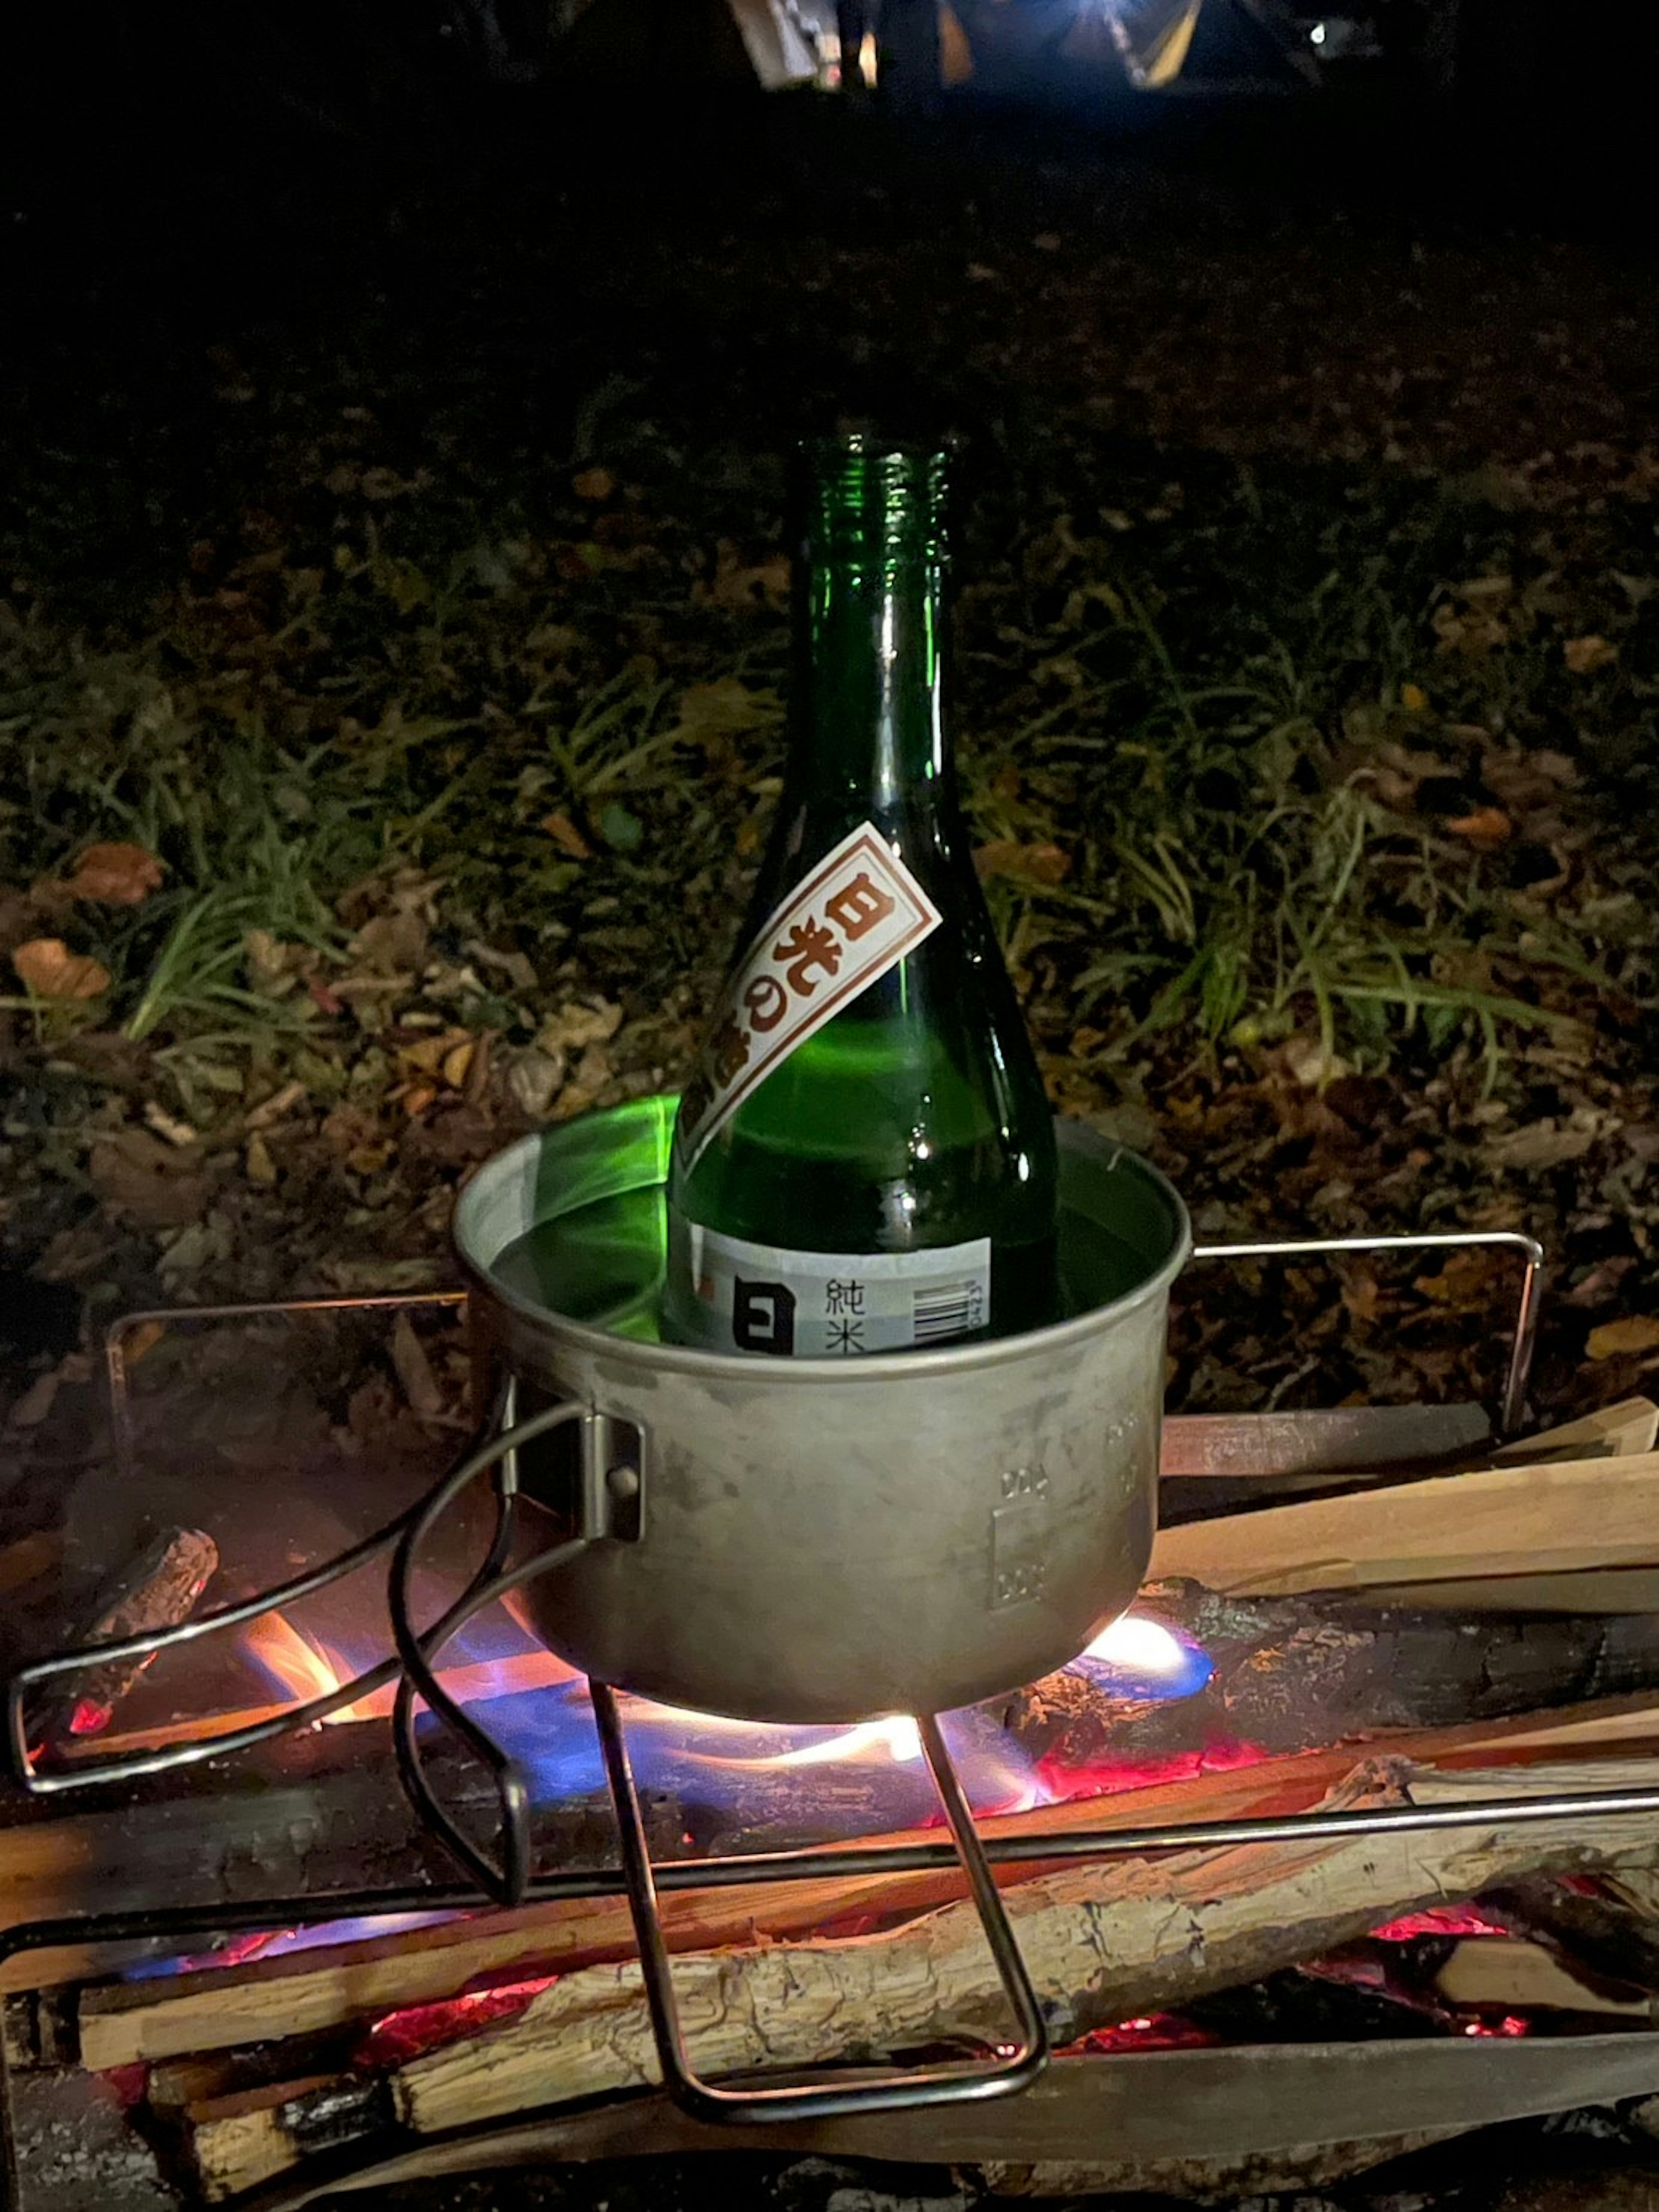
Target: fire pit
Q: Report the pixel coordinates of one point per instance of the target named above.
(1243, 1834)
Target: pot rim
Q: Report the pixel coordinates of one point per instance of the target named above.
(881, 1366)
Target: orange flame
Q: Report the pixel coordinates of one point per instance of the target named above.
(897, 1737)
(305, 1668)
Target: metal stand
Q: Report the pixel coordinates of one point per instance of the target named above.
(508, 1876)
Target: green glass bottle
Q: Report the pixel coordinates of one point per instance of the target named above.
(865, 1161)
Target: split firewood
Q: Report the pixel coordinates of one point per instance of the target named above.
(1615, 1431)
(303, 1992)
(1590, 1925)
(1267, 2111)
(259, 1999)
(158, 1590)
(1550, 1517)
(1501, 1974)
(1101, 1942)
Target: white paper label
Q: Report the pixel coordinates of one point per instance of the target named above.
(834, 1305)
(850, 919)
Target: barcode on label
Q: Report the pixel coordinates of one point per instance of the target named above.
(947, 1310)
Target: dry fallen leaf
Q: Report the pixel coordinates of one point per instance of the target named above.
(594, 484)
(1636, 1332)
(47, 967)
(1487, 829)
(119, 875)
(1539, 1145)
(567, 836)
(414, 1369)
(1584, 655)
(1030, 864)
(1414, 698)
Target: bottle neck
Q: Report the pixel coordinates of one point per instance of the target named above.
(869, 691)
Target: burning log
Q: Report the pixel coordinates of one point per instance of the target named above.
(305, 1992)
(157, 1591)
(1102, 1942)
(1290, 1676)
(320, 1811)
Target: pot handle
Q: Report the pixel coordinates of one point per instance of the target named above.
(825, 2099)
(506, 1880)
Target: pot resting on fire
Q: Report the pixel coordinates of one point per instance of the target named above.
(818, 1539)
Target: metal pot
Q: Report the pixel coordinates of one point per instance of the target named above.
(825, 1541)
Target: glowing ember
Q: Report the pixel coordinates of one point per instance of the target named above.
(410, 2033)
(1437, 1920)
(1159, 2030)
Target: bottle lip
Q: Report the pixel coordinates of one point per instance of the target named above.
(868, 443)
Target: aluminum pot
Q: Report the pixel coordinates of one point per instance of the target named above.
(816, 1539)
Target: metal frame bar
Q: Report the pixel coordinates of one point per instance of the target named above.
(925, 2085)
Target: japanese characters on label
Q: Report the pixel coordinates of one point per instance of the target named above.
(853, 916)
(836, 1305)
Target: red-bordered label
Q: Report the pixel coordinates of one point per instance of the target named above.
(854, 916)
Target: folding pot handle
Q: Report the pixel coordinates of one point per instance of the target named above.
(823, 2100)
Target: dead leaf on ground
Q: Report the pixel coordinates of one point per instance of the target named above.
(415, 1370)
(534, 1078)
(1029, 864)
(392, 944)
(47, 967)
(567, 836)
(155, 1184)
(577, 1024)
(1487, 829)
(594, 484)
(1584, 655)
(738, 583)
(273, 966)
(117, 874)
(1539, 1145)
(1614, 1339)
(724, 708)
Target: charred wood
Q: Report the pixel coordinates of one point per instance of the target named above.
(1292, 1674)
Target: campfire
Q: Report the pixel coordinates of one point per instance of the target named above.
(263, 1966)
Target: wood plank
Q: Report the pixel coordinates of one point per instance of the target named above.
(1545, 1517)
(1501, 1973)
(1629, 1426)
(1342, 1439)
(1593, 1591)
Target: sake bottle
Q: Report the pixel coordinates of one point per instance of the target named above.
(865, 1159)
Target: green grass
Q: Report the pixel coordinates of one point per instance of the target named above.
(1205, 754)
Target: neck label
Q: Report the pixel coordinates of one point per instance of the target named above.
(853, 916)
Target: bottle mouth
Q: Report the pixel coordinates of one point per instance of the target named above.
(875, 497)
